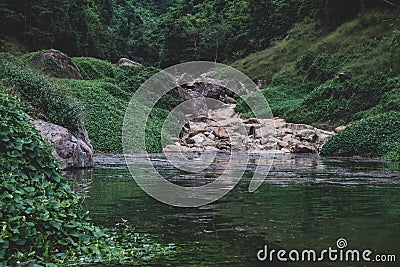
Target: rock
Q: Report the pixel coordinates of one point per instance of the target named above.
(221, 132)
(290, 140)
(211, 148)
(72, 151)
(223, 113)
(265, 131)
(323, 138)
(198, 139)
(57, 64)
(302, 148)
(208, 143)
(283, 144)
(229, 100)
(307, 135)
(251, 121)
(285, 150)
(125, 62)
(340, 128)
(285, 131)
(206, 86)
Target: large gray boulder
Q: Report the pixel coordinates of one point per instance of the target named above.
(72, 151)
(57, 64)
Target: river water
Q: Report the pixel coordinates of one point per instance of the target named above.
(306, 202)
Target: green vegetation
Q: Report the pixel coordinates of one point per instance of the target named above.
(326, 63)
(377, 136)
(95, 69)
(302, 72)
(42, 98)
(41, 219)
(99, 102)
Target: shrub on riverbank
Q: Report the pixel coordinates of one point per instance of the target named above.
(41, 219)
(42, 98)
(377, 136)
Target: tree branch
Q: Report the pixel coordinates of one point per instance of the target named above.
(390, 3)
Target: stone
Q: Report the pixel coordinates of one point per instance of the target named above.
(125, 62)
(307, 135)
(283, 144)
(57, 64)
(72, 151)
(340, 128)
(220, 132)
(229, 100)
(206, 86)
(305, 149)
(211, 148)
(265, 131)
(251, 121)
(198, 139)
(289, 139)
(323, 138)
(285, 150)
(286, 131)
(208, 143)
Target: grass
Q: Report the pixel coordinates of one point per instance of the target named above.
(304, 85)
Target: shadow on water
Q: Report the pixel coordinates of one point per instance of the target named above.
(306, 202)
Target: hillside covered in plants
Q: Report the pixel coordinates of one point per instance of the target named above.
(325, 63)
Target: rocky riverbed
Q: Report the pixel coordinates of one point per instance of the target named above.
(223, 129)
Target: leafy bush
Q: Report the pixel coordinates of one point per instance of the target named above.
(377, 136)
(131, 78)
(103, 113)
(42, 98)
(42, 222)
(95, 69)
(154, 129)
(339, 102)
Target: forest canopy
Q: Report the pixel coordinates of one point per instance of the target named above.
(163, 33)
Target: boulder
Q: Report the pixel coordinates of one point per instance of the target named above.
(340, 128)
(198, 139)
(283, 144)
(125, 62)
(307, 135)
(72, 151)
(302, 148)
(57, 64)
(205, 86)
(221, 132)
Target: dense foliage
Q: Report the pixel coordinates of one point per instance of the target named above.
(377, 136)
(348, 74)
(166, 32)
(42, 98)
(41, 219)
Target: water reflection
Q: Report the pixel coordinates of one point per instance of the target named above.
(306, 202)
(80, 180)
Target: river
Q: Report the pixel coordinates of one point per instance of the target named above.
(306, 202)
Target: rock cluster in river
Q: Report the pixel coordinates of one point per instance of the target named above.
(223, 129)
(73, 151)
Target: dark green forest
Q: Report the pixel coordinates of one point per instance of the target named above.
(162, 33)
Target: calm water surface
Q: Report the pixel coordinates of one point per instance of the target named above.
(306, 202)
